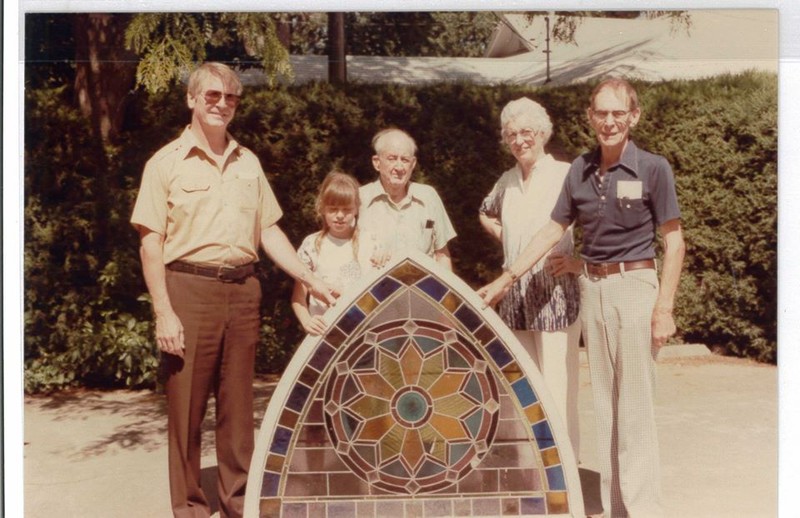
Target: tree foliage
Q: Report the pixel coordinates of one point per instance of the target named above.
(566, 23)
(171, 45)
(49, 51)
(438, 34)
(456, 34)
(461, 33)
(84, 322)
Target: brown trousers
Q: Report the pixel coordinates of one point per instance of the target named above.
(221, 328)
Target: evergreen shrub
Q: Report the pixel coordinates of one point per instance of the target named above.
(87, 316)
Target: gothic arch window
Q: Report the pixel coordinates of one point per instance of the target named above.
(416, 402)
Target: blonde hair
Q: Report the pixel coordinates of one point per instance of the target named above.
(338, 189)
(229, 78)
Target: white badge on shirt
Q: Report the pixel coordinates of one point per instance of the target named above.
(630, 189)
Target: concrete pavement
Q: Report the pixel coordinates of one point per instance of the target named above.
(103, 454)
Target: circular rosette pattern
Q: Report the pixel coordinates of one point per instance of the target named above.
(411, 407)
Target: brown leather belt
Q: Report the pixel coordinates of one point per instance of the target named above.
(606, 269)
(224, 273)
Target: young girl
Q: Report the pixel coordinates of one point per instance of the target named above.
(333, 252)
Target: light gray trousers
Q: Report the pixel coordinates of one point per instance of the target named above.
(616, 313)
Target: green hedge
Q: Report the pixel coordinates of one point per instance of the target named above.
(87, 316)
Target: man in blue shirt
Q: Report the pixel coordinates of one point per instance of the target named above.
(622, 196)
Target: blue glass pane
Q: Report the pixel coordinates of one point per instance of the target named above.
(427, 344)
(397, 469)
(473, 422)
(524, 392)
(411, 407)
(455, 360)
(535, 506)
(432, 287)
(473, 389)
(351, 319)
(430, 468)
(543, 434)
(457, 451)
(269, 485)
(497, 350)
(297, 399)
(469, 318)
(394, 344)
(555, 478)
(384, 288)
(280, 442)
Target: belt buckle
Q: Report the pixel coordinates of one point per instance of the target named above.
(603, 270)
(223, 271)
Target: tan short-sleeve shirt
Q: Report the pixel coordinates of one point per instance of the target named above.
(207, 213)
(418, 222)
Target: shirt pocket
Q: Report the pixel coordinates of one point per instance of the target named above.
(246, 193)
(192, 194)
(631, 213)
(195, 185)
(427, 236)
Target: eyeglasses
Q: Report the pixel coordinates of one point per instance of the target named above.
(617, 115)
(212, 97)
(527, 134)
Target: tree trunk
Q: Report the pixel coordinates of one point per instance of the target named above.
(104, 75)
(284, 31)
(337, 55)
(105, 71)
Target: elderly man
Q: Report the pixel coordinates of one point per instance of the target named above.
(398, 213)
(620, 194)
(203, 209)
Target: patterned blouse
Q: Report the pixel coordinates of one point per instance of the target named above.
(537, 301)
(334, 262)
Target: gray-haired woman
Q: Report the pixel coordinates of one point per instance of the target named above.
(542, 306)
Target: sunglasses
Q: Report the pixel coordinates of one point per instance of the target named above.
(212, 97)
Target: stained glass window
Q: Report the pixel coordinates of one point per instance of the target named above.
(416, 402)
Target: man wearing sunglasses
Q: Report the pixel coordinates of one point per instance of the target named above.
(622, 196)
(203, 210)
